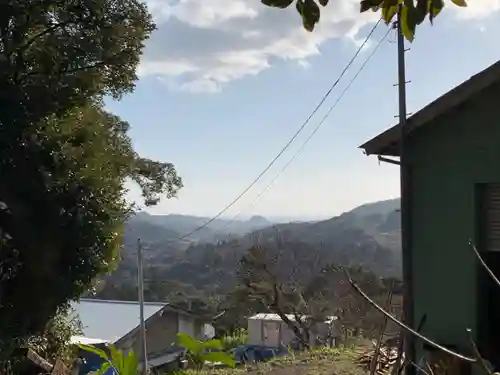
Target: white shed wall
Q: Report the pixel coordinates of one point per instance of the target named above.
(186, 325)
(287, 334)
(261, 331)
(255, 332)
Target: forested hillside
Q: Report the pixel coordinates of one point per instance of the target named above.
(367, 236)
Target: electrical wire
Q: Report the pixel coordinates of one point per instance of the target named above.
(291, 139)
(294, 157)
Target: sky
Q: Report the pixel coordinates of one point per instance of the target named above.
(224, 84)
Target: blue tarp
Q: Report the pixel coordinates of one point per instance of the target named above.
(92, 362)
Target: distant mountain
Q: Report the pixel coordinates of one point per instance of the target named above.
(216, 229)
(368, 235)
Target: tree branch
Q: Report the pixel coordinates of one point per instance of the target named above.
(483, 263)
(383, 327)
(478, 356)
(39, 35)
(81, 68)
(404, 326)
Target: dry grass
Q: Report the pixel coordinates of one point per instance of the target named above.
(317, 362)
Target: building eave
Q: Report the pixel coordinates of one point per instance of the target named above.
(387, 143)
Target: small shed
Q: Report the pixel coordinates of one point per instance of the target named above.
(271, 330)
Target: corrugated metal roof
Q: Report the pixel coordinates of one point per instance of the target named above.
(110, 320)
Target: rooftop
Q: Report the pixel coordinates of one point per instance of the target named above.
(108, 320)
(387, 143)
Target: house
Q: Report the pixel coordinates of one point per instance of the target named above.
(108, 320)
(161, 334)
(454, 156)
(271, 330)
(105, 321)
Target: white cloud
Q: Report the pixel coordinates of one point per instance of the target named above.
(204, 44)
(477, 9)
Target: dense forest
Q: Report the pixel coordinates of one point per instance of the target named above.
(204, 273)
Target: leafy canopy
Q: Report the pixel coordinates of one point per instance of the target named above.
(63, 158)
(413, 12)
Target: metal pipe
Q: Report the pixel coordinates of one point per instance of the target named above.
(406, 202)
(140, 288)
(388, 160)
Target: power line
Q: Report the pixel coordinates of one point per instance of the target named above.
(294, 157)
(291, 139)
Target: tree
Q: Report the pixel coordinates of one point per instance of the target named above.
(63, 159)
(55, 55)
(414, 12)
(62, 224)
(309, 291)
(55, 340)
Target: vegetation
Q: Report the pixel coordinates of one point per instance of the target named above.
(64, 161)
(63, 158)
(121, 364)
(236, 338)
(55, 340)
(200, 353)
(314, 362)
(310, 291)
(203, 273)
(413, 13)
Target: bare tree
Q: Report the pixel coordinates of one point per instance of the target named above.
(302, 290)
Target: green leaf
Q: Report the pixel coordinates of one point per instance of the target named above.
(213, 344)
(420, 11)
(189, 343)
(277, 3)
(389, 13)
(364, 6)
(92, 349)
(221, 357)
(373, 4)
(435, 7)
(460, 3)
(131, 364)
(310, 13)
(104, 367)
(408, 24)
(422, 6)
(117, 358)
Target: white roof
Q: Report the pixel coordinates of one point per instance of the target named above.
(276, 317)
(86, 340)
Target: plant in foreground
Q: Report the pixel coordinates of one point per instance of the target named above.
(120, 363)
(239, 337)
(199, 352)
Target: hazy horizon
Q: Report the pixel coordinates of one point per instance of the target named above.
(272, 218)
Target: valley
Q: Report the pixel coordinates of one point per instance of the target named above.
(206, 264)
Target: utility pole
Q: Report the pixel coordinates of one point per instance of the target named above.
(140, 288)
(406, 202)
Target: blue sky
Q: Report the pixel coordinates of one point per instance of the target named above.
(225, 83)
